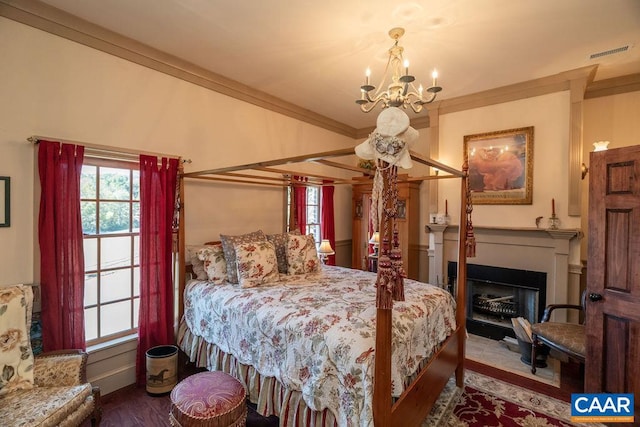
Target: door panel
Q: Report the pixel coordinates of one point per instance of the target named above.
(613, 274)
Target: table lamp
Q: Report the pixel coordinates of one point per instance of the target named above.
(325, 250)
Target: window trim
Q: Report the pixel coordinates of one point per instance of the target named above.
(133, 267)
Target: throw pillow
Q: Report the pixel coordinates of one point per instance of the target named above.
(16, 357)
(215, 265)
(228, 246)
(257, 263)
(197, 265)
(302, 254)
(280, 242)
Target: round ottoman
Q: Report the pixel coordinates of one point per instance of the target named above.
(211, 399)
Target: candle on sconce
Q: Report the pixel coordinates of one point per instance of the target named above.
(435, 77)
(406, 67)
(553, 207)
(367, 74)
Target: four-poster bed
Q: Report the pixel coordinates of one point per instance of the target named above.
(411, 406)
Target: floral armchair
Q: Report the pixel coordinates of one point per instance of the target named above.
(50, 389)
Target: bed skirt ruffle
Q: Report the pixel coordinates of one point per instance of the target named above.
(269, 395)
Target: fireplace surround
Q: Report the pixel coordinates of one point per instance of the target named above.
(554, 252)
(495, 295)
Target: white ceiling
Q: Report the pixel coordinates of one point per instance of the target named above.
(313, 53)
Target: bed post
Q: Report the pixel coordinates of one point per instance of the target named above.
(382, 392)
(461, 288)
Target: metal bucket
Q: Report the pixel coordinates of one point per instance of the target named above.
(162, 369)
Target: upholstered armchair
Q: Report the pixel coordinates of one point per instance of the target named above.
(61, 395)
(50, 389)
(566, 338)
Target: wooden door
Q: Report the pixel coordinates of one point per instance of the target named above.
(613, 274)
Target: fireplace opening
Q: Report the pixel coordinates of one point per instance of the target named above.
(495, 295)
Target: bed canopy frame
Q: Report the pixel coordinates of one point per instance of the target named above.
(413, 406)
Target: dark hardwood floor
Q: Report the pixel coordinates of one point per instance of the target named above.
(132, 406)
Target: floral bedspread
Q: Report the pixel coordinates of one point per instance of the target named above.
(315, 333)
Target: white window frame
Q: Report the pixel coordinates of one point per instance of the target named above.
(94, 309)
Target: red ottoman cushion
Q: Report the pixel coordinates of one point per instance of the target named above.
(212, 399)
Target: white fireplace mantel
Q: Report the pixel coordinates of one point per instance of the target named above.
(534, 249)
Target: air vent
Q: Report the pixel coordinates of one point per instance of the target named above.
(609, 52)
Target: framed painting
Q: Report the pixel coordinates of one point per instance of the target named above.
(5, 199)
(500, 166)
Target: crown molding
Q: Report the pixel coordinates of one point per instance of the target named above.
(537, 87)
(55, 21)
(614, 86)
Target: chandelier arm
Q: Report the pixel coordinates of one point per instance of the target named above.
(382, 96)
(431, 99)
(366, 109)
(416, 106)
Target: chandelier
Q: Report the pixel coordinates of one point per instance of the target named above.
(400, 92)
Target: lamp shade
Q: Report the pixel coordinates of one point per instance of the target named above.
(325, 248)
(375, 238)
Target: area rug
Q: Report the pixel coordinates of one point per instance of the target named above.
(486, 401)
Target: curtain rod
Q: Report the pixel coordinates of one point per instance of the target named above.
(105, 149)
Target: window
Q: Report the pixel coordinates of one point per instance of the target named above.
(313, 211)
(110, 209)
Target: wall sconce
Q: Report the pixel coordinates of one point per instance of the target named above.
(584, 170)
(597, 146)
(600, 146)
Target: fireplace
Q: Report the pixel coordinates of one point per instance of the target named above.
(495, 295)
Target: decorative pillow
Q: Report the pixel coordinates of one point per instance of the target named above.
(228, 243)
(257, 263)
(302, 254)
(197, 265)
(215, 265)
(280, 242)
(16, 357)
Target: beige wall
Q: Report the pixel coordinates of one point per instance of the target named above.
(549, 115)
(615, 119)
(53, 87)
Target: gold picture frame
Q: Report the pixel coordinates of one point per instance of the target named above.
(501, 166)
(5, 201)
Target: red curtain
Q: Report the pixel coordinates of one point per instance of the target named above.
(327, 222)
(300, 204)
(61, 246)
(157, 205)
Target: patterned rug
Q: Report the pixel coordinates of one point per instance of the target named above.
(486, 402)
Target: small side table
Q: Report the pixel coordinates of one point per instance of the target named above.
(372, 263)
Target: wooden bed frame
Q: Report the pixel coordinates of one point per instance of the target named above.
(413, 406)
